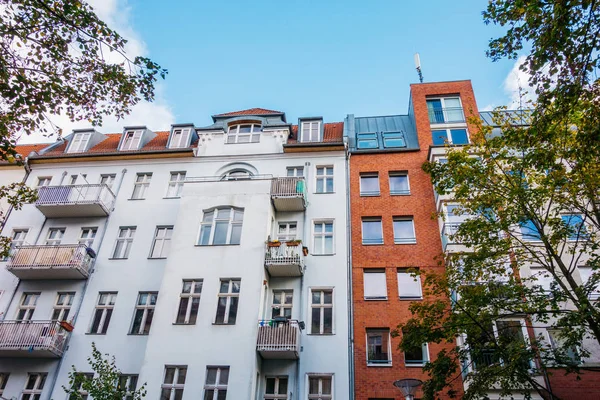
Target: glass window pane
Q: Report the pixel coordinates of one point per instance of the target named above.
(372, 232)
(169, 375)
(235, 286)
(399, 184)
(440, 137)
(328, 320)
(329, 185)
(233, 306)
(221, 310)
(236, 234)
(224, 213)
(315, 320)
(181, 376)
(211, 376)
(313, 386)
(283, 385)
(403, 231)
(220, 233)
(326, 385)
(183, 304)
(316, 297)
(178, 394)
(329, 245)
(369, 184)
(165, 394)
(224, 376)
(194, 310)
(459, 136)
(328, 297)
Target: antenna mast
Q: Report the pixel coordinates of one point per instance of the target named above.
(418, 66)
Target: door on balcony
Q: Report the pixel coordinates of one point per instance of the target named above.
(276, 388)
(282, 304)
(287, 231)
(27, 306)
(55, 236)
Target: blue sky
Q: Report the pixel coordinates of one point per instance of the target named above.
(305, 58)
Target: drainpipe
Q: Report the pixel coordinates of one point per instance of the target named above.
(85, 285)
(349, 279)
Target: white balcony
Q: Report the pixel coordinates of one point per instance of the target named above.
(32, 339)
(288, 194)
(278, 340)
(75, 201)
(50, 262)
(284, 260)
(449, 242)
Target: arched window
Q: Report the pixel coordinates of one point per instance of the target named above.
(244, 133)
(237, 175)
(221, 225)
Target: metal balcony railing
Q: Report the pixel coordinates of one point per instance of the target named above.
(448, 231)
(446, 115)
(31, 336)
(289, 193)
(276, 336)
(285, 259)
(27, 260)
(76, 195)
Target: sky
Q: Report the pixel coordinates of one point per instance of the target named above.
(324, 58)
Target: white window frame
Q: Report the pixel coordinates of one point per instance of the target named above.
(371, 241)
(444, 110)
(63, 308)
(584, 276)
(228, 296)
(383, 331)
(323, 234)
(38, 386)
(29, 308)
(379, 272)
(79, 142)
(44, 181)
(308, 129)
(190, 296)
(104, 308)
(324, 177)
(180, 138)
(319, 395)
(276, 395)
(234, 136)
(297, 172)
(162, 237)
(417, 279)
(322, 306)
(147, 308)
(128, 382)
(172, 387)
(544, 278)
(87, 236)
(175, 186)
(425, 352)
(134, 143)
(281, 307)
(3, 381)
(554, 343)
(289, 234)
(213, 223)
(55, 236)
(411, 240)
(125, 235)
(108, 180)
(141, 185)
(396, 174)
(369, 175)
(217, 386)
(449, 134)
(17, 239)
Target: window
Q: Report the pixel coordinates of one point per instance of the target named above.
(142, 182)
(189, 302)
(399, 183)
(320, 387)
(409, 286)
(144, 313)
(282, 304)
(393, 139)
(215, 387)
(73, 179)
(175, 184)
(297, 172)
(173, 383)
(509, 332)
(325, 179)
(404, 230)
(128, 382)
(27, 306)
(108, 180)
(55, 236)
(445, 110)
(449, 136)
(529, 231)
(247, 133)
(417, 355)
(367, 140)
(44, 181)
(124, 242)
(375, 285)
(571, 353)
(379, 350)
(18, 239)
(276, 388)
(310, 131)
(3, 381)
(34, 386)
(180, 138)
(286, 231)
(162, 242)
(544, 278)
(103, 312)
(576, 227)
(132, 140)
(237, 175)
(586, 275)
(80, 378)
(227, 306)
(64, 301)
(323, 235)
(372, 231)
(369, 184)
(221, 226)
(321, 306)
(79, 142)
(87, 236)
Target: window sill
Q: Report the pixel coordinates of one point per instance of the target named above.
(169, 198)
(389, 365)
(95, 334)
(137, 199)
(372, 244)
(370, 195)
(214, 245)
(323, 192)
(157, 258)
(321, 334)
(400, 194)
(118, 258)
(222, 324)
(182, 324)
(137, 334)
(400, 243)
(376, 299)
(410, 298)
(320, 255)
(415, 365)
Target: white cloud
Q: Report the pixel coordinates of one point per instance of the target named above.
(156, 115)
(516, 86)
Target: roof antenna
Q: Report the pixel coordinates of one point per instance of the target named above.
(418, 66)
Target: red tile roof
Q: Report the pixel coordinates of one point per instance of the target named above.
(332, 132)
(250, 111)
(25, 149)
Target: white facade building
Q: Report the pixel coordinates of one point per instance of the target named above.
(219, 266)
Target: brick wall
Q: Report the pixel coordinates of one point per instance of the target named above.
(567, 387)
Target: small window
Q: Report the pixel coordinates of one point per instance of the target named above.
(369, 184)
(409, 285)
(449, 136)
(320, 387)
(287, 231)
(215, 387)
(44, 181)
(180, 138)
(416, 356)
(404, 230)
(61, 309)
(34, 386)
(175, 184)
(321, 306)
(189, 302)
(173, 382)
(237, 175)
(87, 236)
(129, 383)
(325, 179)
(227, 306)
(399, 183)
(18, 238)
(246, 133)
(367, 140)
(529, 231)
(132, 140)
(379, 348)
(221, 226)
(124, 242)
(55, 236)
(108, 180)
(79, 142)
(297, 172)
(141, 185)
(27, 306)
(445, 110)
(375, 285)
(282, 304)
(144, 313)
(276, 388)
(310, 131)
(574, 223)
(323, 237)
(103, 313)
(393, 139)
(162, 242)
(372, 231)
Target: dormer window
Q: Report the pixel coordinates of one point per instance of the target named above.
(180, 138)
(310, 131)
(131, 141)
(244, 133)
(79, 142)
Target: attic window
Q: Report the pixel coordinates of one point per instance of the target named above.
(79, 142)
(244, 133)
(180, 138)
(367, 140)
(131, 141)
(394, 139)
(310, 131)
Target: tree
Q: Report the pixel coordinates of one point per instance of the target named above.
(106, 383)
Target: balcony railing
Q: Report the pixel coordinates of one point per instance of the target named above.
(446, 115)
(75, 200)
(278, 339)
(288, 193)
(284, 260)
(44, 339)
(50, 262)
(448, 231)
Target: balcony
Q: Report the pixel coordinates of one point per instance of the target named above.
(50, 262)
(288, 194)
(448, 231)
(278, 340)
(75, 201)
(448, 115)
(284, 260)
(32, 339)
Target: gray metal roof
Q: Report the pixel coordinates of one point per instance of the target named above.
(380, 125)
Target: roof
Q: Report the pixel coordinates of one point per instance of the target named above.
(25, 149)
(250, 111)
(383, 124)
(333, 132)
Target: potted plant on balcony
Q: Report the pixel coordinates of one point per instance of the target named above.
(305, 250)
(273, 243)
(67, 326)
(295, 242)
